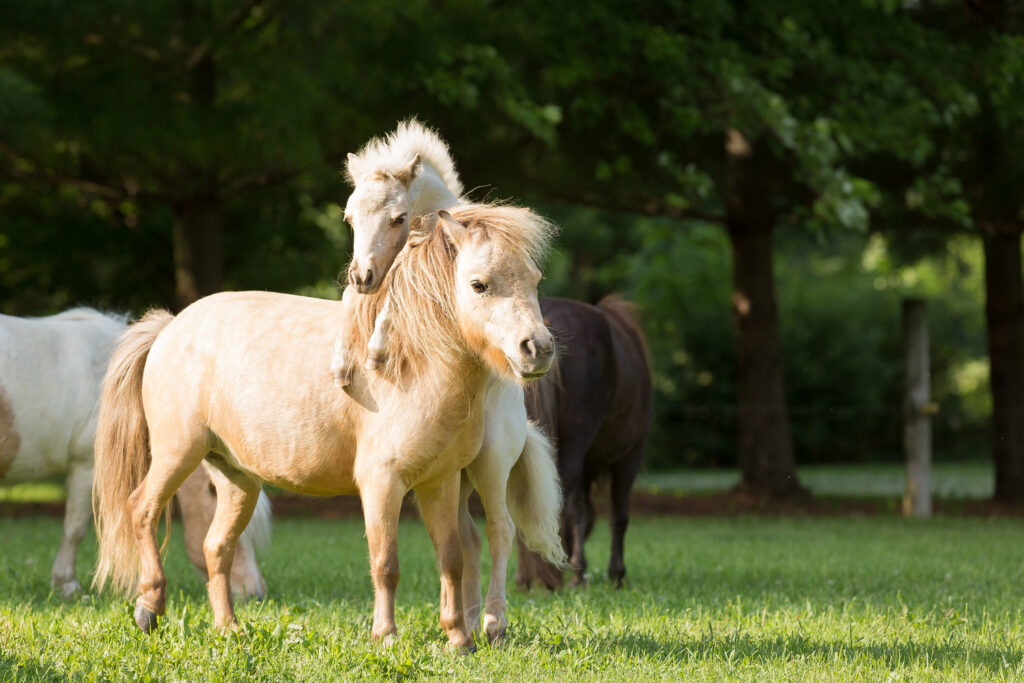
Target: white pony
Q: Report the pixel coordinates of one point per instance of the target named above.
(398, 181)
(50, 374)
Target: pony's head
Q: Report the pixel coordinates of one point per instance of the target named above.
(385, 196)
(466, 285)
(495, 286)
(378, 211)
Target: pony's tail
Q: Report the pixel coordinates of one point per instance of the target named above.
(258, 533)
(122, 453)
(535, 497)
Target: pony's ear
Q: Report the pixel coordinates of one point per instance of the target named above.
(409, 172)
(455, 230)
(354, 167)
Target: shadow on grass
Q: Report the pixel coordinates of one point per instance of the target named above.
(769, 651)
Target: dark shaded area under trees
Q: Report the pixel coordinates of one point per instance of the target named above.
(765, 179)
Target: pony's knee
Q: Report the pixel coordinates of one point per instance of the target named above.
(218, 552)
(386, 573)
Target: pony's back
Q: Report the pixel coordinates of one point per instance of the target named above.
(50, 374)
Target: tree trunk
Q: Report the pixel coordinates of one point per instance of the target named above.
(198, 249)
(1004, 313)
(765, 441)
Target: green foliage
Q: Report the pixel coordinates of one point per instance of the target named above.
(840, 303)
(811, 599)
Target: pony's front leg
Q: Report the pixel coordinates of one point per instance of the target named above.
(237, 494)
(378, 346)
(490, 473)
(440, 510)
(381, 495)
(342, 365)
(77, 513)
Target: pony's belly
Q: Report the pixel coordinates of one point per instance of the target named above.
(31, 465)
(317, 465)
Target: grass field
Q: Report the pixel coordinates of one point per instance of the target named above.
(950, 480)
(876, 598)
(956, 480)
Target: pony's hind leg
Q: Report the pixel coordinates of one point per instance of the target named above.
(470, 557)
(440, 511)
(145, 504)
(237, 494)
(77, 513)
(577, 522)
(623, 475)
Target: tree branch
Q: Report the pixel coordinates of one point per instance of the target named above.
(648, 206)
(204, 49)
(241, 184)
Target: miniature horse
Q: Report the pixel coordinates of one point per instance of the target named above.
(240, 380)
(596, 403)
(50, 374)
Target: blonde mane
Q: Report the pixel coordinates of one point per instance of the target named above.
(393, 152)
(421, 285)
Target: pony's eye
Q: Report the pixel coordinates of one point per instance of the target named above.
(398, 220)
(478, 286)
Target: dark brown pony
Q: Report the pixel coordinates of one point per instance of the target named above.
(595, 403)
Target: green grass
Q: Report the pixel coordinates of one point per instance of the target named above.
(34, 492)
(958, 480)
(751, 598)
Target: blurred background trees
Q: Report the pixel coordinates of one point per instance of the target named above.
(765, 179)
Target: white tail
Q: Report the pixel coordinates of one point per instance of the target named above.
(535, 497)
(257, 534)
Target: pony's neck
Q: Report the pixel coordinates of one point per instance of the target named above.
(428, 193)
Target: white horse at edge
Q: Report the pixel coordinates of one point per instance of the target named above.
(50, 374)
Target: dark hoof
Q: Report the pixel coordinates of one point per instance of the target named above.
(145, 619)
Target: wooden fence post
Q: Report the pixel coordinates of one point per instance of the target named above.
(917, 410)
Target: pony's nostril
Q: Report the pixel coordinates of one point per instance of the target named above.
(529, 348)
(545, 348)
(367, 279)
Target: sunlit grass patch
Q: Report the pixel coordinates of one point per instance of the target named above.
(706, 599)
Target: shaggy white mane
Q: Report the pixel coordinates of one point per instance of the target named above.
(394, 151)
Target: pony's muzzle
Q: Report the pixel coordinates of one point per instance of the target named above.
(363, 279)
(536, 354)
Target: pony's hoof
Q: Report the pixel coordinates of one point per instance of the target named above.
(145, 619)
(462, 646)
(495, 630)
(579, 581)
(388, 639)
(342, 377)
(68, 589)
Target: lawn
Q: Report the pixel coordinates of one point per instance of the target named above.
(876, 598)
(969, 480)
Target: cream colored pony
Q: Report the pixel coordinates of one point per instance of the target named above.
(398, 179)
(50, 374)
(241, 380)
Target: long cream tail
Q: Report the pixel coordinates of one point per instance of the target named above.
(122, 453)
(535, 497)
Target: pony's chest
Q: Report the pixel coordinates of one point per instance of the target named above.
(434, 450)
